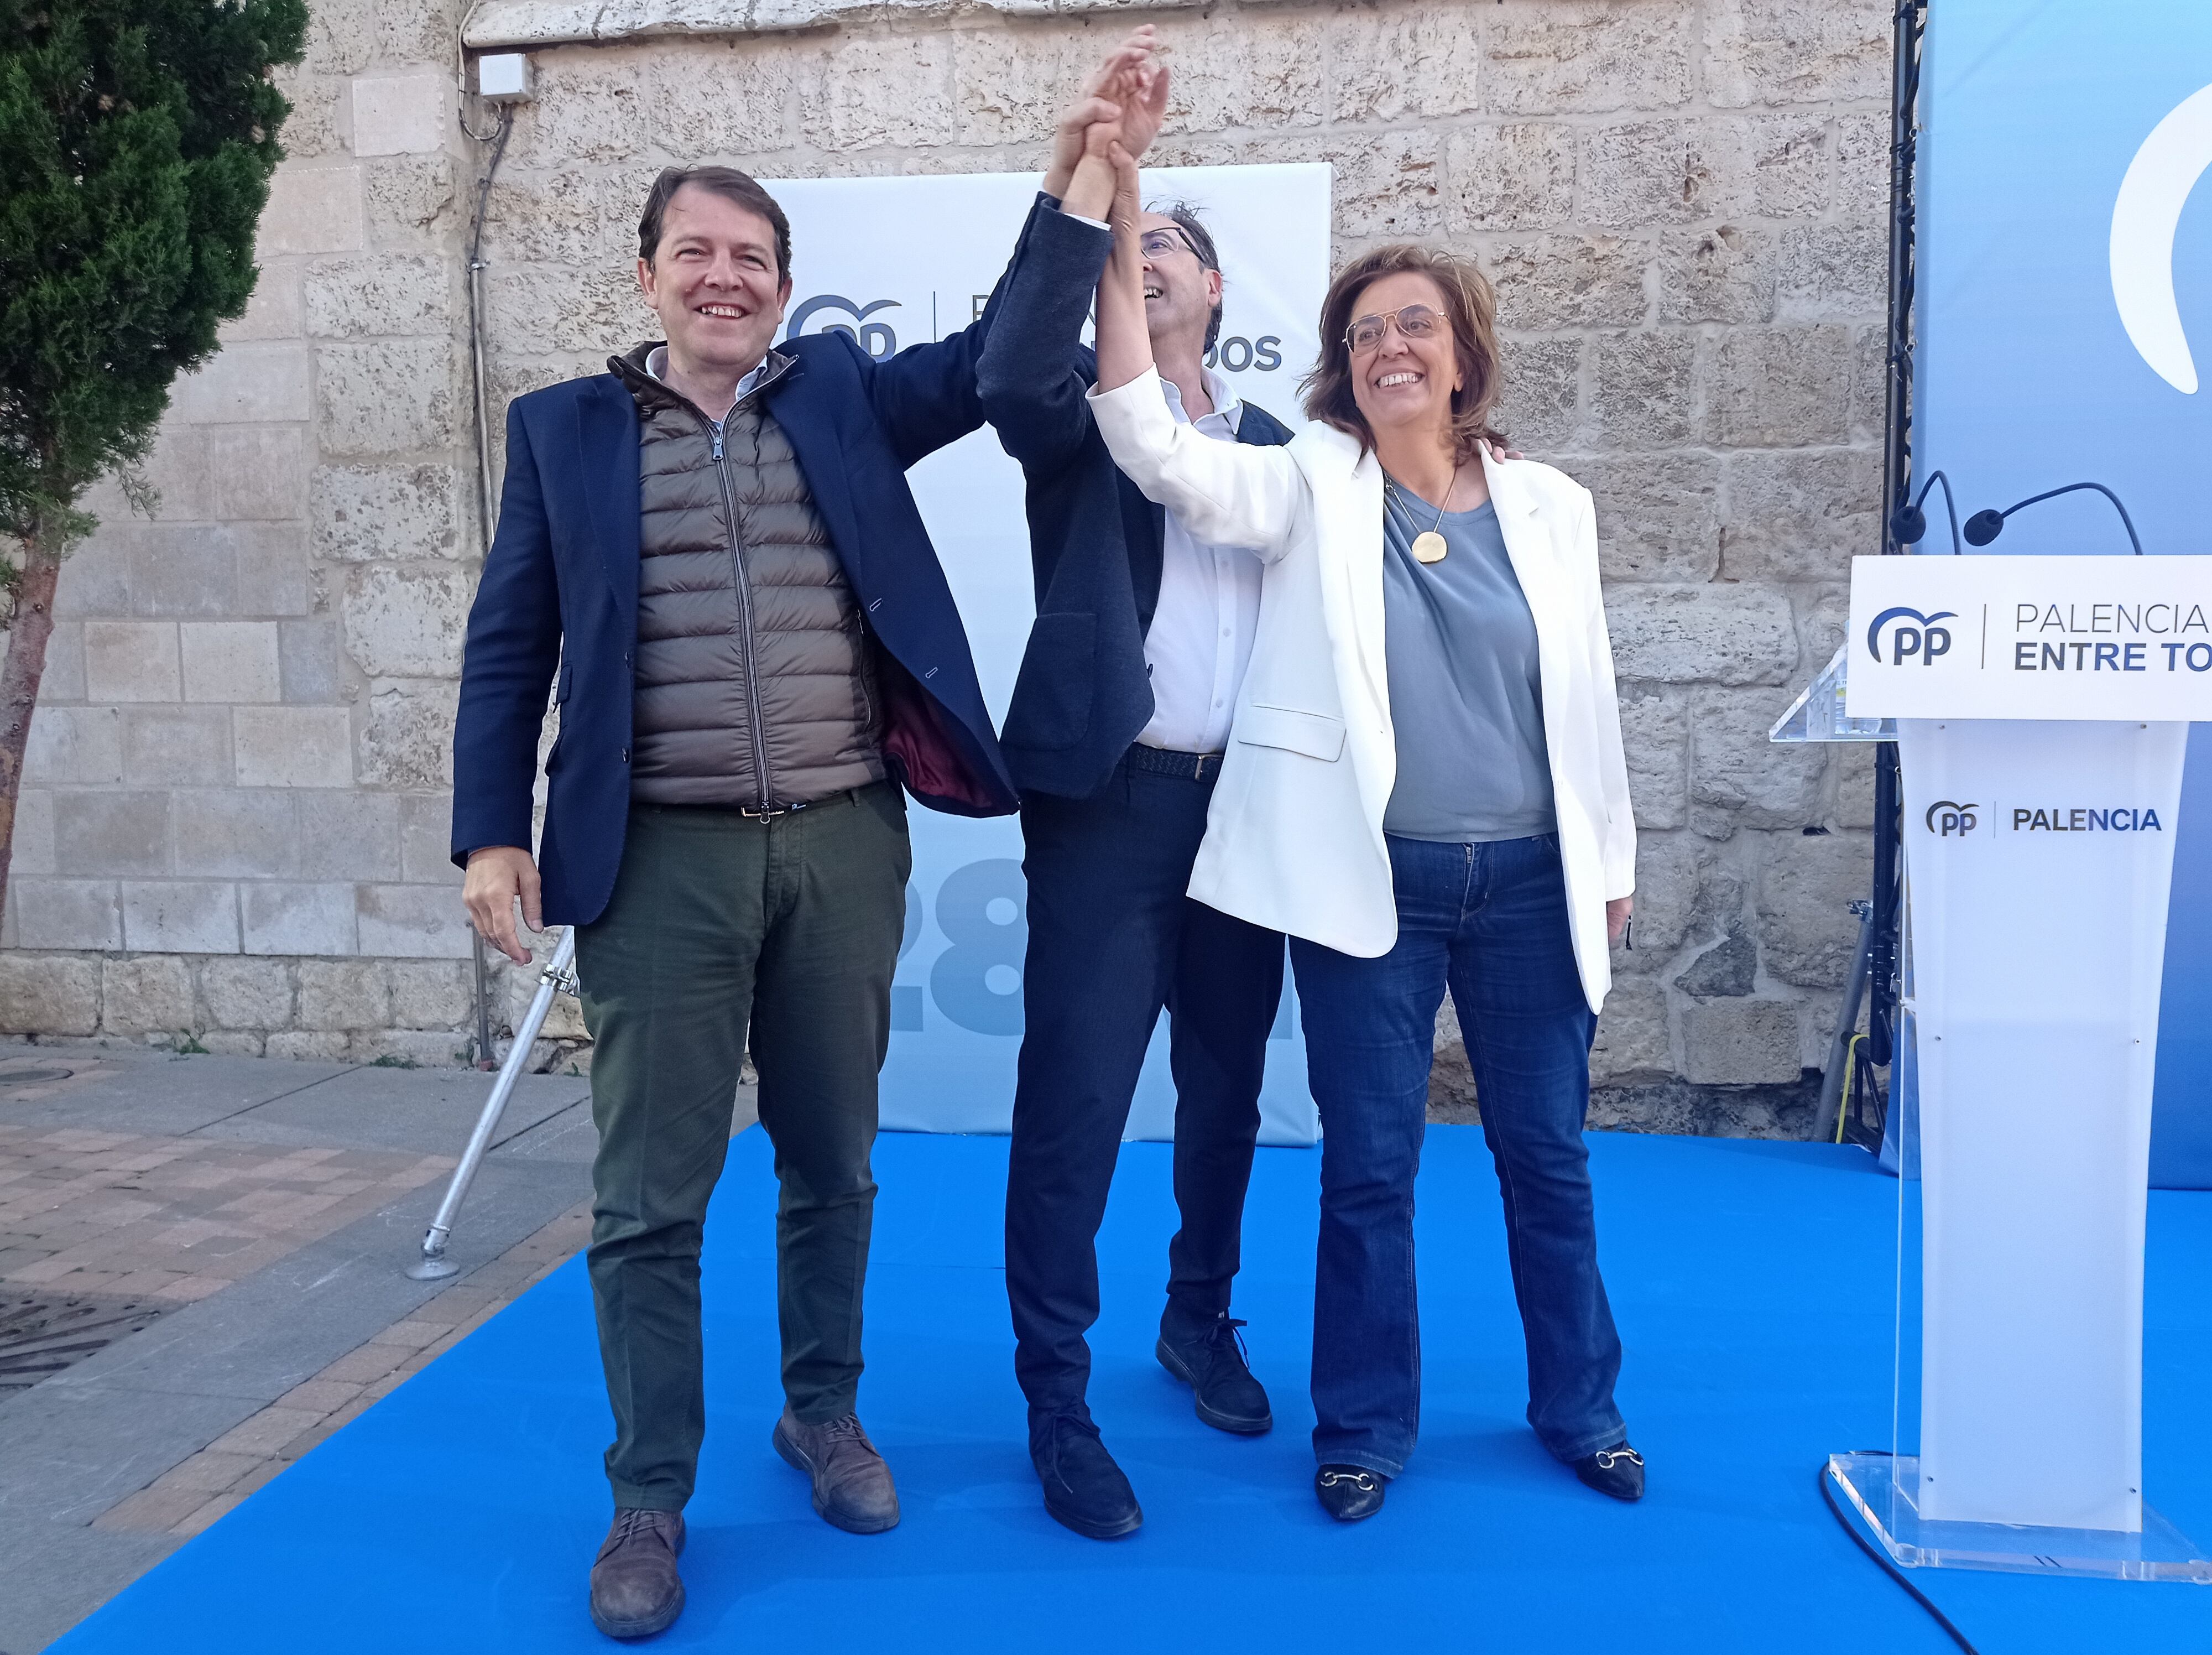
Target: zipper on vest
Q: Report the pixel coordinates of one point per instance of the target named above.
(745, 617)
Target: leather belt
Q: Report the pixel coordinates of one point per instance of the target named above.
(1160, 761)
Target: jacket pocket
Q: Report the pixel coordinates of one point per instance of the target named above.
(1317, 735)
(1051, 705)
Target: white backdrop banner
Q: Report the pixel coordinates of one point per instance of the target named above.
(898, 261)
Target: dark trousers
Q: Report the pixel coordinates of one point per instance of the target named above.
(1112, 939)
(718, 922)
(1492, 921)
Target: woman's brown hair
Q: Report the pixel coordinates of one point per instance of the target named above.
(1470, 306)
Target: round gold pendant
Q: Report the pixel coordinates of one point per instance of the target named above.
(1429, 547)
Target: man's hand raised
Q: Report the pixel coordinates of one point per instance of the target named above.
(497, 877)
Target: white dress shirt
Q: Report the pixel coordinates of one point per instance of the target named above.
(656, 367)
(1202, 628)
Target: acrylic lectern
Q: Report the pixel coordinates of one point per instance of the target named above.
(2041, 708)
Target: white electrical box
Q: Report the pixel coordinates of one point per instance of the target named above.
(503, 77)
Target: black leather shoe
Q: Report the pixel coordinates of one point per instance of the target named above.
(1083, 1487)
(1618, 1470)
(1348, 1492)
(1212, 1363)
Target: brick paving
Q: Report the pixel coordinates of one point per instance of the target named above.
(272, 1208)
(175, 1218)
(193, 1493)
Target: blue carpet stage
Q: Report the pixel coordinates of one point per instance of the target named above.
(1752, 1283)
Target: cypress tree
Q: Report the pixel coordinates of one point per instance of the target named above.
(137, 140)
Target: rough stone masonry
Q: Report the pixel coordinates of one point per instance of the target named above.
(234, 827)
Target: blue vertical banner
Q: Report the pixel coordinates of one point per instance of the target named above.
(2064, 314)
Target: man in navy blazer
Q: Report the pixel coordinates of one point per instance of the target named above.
(711, 555)
(1120, 713)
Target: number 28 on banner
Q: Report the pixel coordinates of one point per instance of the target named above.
(976, 983)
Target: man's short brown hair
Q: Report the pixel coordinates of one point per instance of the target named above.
(727, 182)
(1201, 245)
(1471, 306)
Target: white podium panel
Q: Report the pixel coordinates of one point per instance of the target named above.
(2061, 637)
(2038, 855)
(2040, 707)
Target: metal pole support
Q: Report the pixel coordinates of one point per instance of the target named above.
(1847, 1023)
(558, 975)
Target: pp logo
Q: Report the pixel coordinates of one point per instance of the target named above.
(1946, 817)
(1926, 640)
(874, 338)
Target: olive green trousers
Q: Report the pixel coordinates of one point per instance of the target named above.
(720, 923)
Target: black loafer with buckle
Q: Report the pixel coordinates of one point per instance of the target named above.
(1212, 1363)
(1618, 1470)
(1348, 1492)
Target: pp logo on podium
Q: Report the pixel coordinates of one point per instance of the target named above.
(1925, 641)
(1947, 819)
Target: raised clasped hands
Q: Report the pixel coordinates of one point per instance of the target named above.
(1123, 102)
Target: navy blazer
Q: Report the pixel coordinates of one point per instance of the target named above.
(1083, 692)
(559, 587)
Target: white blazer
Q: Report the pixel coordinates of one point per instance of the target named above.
(1294, 838)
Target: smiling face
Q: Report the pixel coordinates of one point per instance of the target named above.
(1180, 295)
(714, 283)
(1405, 383)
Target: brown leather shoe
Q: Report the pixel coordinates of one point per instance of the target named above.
(635, 1590)
(851, 1484)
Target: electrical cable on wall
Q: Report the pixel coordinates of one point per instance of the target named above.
(486, 508)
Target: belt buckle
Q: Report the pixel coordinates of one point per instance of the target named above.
(752, 815)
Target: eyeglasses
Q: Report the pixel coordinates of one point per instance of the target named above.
(1413, 322)
(1158, 244)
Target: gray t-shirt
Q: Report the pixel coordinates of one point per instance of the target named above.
(1465, 693)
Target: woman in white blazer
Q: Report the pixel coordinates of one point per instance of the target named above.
(1424, 787)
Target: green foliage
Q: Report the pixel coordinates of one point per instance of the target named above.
(392, 1060)
(136, 139)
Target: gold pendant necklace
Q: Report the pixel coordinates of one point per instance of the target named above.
(1429, 546)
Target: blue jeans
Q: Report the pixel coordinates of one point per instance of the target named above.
(1490, 920)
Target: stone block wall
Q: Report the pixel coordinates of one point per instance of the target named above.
(241, 749)
(234, 820)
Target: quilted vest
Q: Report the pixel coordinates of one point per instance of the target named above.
(755, 680)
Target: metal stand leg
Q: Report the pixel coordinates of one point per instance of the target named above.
(1847, 1023)
(434, 1266)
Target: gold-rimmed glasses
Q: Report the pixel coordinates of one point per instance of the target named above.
(1413, 322)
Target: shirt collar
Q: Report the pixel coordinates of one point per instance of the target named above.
(1226, 403)
(656, 365)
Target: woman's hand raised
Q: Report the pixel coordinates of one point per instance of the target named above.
(1124, 343)
(1127, 199)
